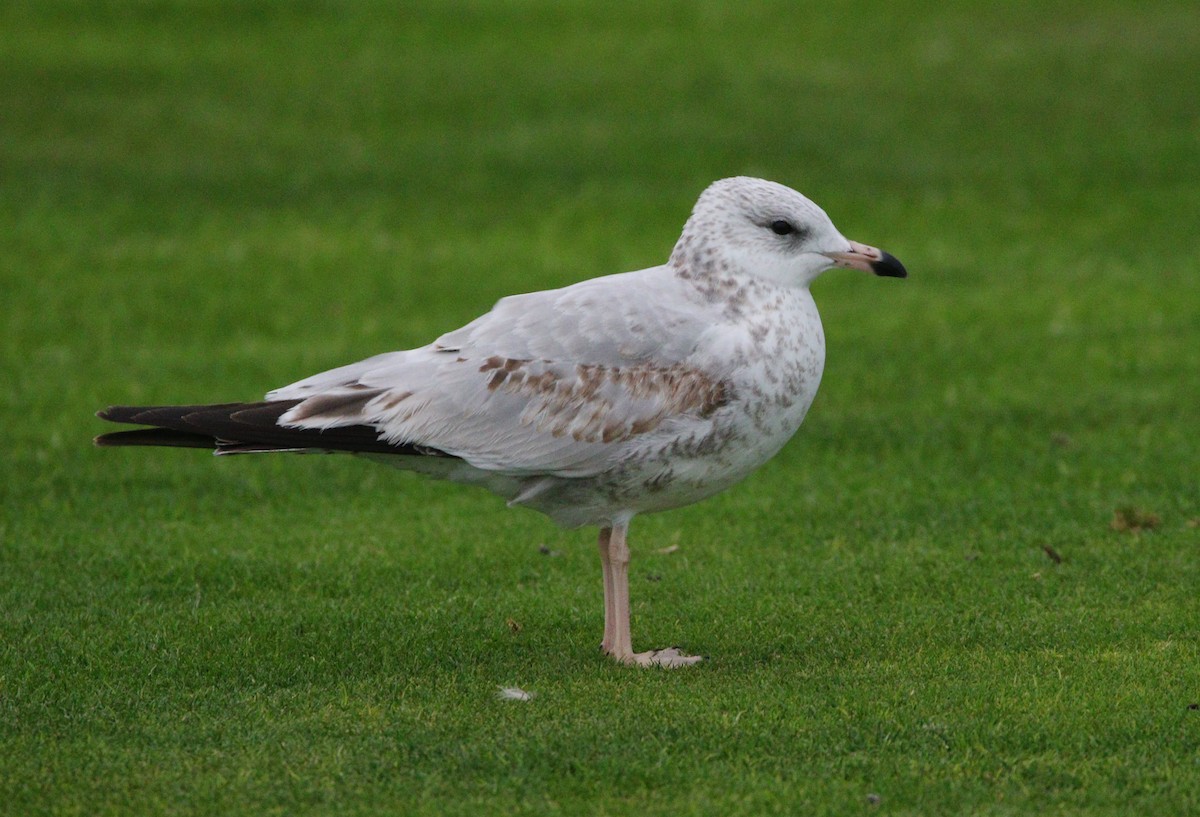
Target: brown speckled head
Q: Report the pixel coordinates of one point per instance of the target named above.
(755, 227)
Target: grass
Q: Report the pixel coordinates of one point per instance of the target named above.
(204, 200)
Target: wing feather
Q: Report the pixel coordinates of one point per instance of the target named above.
(563, 381)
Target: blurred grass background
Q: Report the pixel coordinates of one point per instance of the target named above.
(202, 200)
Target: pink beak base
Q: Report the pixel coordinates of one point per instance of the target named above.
(869, 259)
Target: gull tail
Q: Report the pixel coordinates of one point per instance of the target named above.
(243, 428)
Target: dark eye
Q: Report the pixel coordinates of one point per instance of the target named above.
(781, 227)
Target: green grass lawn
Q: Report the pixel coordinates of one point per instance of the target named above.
(968, 586)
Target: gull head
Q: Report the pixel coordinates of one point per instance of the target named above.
(756, 227)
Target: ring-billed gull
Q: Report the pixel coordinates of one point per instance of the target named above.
(620, 395)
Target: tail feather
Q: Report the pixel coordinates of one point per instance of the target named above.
(159, 415)
(240, 428)
(156, 436)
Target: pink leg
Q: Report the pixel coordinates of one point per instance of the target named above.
(618, 642)
(610, 611)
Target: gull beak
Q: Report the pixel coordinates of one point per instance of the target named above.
(869, 259)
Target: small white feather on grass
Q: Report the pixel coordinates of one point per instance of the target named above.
(514, 694)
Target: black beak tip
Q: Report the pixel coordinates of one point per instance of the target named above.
(889, 266)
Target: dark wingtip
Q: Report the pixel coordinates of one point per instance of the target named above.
(165, 437)
(889, 266)
(120, 414)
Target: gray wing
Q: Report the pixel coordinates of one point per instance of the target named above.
(564, 381)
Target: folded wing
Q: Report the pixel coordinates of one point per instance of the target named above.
(562, 382)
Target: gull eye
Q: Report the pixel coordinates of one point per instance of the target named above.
(781, 227)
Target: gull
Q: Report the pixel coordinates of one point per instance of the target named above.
(612, 397)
